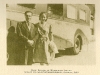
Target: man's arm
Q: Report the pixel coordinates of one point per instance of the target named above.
(19, 32)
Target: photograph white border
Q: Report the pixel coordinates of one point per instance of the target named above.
(19, 70)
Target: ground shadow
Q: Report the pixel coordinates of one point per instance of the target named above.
(66, 52)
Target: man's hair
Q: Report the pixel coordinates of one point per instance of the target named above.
(28, 12)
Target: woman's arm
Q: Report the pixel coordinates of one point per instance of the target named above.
(50, 33)
(36, 33)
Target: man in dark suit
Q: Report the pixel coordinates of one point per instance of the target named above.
(27, 33)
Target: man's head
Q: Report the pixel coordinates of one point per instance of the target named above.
(28, 15)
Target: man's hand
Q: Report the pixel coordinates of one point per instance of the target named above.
(30, 42)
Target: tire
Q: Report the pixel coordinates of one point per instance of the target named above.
(77, 46)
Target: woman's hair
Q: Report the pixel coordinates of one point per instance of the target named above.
(42, 14)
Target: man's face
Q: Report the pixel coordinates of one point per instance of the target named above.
(28, 16)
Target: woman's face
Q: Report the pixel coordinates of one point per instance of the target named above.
(43, 18)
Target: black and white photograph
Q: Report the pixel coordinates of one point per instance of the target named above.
(44, 37)
(50, 34)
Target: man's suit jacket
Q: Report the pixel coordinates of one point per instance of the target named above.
(25, 34)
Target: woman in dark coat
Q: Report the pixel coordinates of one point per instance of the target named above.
(11, 46)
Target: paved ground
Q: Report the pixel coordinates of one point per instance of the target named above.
(87, 56)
